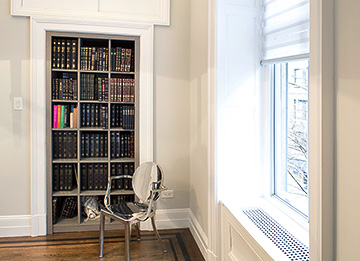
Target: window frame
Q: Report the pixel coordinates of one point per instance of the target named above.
(281, 204)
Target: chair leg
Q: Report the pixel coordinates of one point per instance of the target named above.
(101, 239)
(157, 234)
(137, 227)
(127, 241)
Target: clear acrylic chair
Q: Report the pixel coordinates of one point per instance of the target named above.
(147, 183)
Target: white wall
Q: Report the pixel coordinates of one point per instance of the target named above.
(171, 103)
(347, 91)
(171, 108)
(15, 125)
(199, 112)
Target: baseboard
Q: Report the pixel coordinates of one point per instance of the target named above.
(12, 226)
(199, 235)
(180, 218)
(169, 218)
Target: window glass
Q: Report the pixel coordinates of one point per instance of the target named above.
(291, 171)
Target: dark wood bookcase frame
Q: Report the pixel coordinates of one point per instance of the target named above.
(77, 223)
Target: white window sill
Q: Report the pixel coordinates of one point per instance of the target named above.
(296, 225)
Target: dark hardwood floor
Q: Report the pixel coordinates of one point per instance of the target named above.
(85, 246)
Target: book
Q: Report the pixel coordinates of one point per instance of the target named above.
(72, 116)
(62, 108)
(58, 116)
(54, 53)
(74, 54)
(113, 173)
(56, 177)
(96, 176)
(56, 209)
(75, 118)
(84, 177)
(55, 117)
(68, 54)
(61, 177)
(90, 176)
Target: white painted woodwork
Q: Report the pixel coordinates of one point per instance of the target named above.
(139, 11)
(38, 102)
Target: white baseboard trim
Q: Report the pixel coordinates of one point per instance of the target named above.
(199, 235)
(180, 218)
(15, 225)
(38, 225)
(168, 219)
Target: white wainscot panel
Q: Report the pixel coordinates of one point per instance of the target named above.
(139, 11)
(150, 8)
(61, 6)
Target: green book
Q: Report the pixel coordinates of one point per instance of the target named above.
(62, 116)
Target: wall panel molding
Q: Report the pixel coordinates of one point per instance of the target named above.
(136, 11)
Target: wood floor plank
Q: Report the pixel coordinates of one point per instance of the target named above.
(85, 246)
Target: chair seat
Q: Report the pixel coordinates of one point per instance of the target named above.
(127, 211)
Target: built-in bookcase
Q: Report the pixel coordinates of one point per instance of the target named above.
(92, 123)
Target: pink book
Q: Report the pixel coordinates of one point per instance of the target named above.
(55, 116)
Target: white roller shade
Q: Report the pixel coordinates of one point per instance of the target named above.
(285, 28)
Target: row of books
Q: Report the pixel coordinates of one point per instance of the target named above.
(122, 144)
(64, 177)
(64, 53)
(118, 169)
(93, 87)
(94, 176)
(122, 59)
(94, 115)
(122, 90)
(63, 207)
(64, 89)
(94, 145)
(118, 199)
(122, 116)
(65, 116)
(94, 58)
(64, 144)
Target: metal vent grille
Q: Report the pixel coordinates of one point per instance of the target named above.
(283, 239)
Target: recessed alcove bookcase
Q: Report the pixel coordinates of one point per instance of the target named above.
(39, 27)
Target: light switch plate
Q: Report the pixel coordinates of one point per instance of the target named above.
(18, 103)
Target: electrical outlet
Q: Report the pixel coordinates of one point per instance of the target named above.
(167, 194)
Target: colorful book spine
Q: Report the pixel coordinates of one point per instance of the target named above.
(62, 111)
(58, 115)
(55, 116)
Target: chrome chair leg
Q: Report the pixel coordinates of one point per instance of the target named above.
(157, 234)
(127, 241)
(137, 227)
(102, 228)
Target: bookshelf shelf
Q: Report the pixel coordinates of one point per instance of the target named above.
(73, 192)
(64, 161)
(122, 192)
(64, 70)
(93, 193)
(92, 123)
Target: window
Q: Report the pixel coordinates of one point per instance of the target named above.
(291, 171)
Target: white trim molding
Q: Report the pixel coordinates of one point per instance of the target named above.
(321, 131)
(213, 206)
(39, 27)
(140, 11)
(15, 225)
(199, 236)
